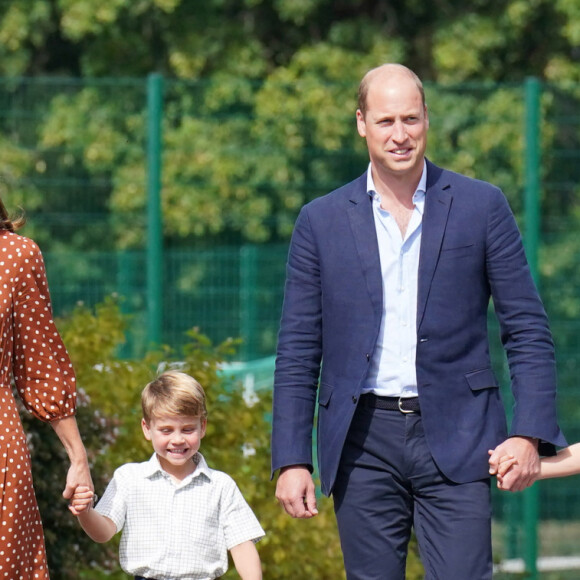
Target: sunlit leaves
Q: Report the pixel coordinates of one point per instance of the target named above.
(82, 17)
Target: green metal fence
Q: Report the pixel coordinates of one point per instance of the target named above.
(180, 198)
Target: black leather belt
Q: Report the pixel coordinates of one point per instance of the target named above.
(402, 404)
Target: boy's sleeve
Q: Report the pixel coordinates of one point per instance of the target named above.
(113, 504)
(238, 520)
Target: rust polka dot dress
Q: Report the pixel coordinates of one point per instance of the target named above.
(33, 353)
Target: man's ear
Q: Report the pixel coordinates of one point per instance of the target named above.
(360, 123)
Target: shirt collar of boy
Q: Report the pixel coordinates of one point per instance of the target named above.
(153, 467)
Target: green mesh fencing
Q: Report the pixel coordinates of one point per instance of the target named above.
(238, 160)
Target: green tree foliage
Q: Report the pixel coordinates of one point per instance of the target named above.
(237, 442)
(258, 119)
(251, 38)
(259, 103)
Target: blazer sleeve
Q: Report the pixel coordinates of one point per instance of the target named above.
(299, 352)
(525, 331)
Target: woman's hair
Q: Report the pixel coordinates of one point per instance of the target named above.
(173, 393)
(10, 223)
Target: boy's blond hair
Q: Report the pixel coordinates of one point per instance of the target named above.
(173, 393)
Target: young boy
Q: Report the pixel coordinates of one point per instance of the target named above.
(178, 516)
(565, 462)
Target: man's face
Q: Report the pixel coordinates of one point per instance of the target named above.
(395, 126)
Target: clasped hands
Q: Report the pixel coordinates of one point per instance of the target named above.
(515, 463)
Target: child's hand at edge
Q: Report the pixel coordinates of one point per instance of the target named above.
(501, 467)
(82, 500)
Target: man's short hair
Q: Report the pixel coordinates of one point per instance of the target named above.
(173, 393)
(363, 88)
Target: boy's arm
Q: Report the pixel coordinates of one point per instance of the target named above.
(98, 527)
(247, 561)
(566, 462)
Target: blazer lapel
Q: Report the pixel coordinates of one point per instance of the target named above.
(360, 214)
(437, 205)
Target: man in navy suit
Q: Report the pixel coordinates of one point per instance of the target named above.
(388, 284)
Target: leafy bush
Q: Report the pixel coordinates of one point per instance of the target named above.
(237, 442)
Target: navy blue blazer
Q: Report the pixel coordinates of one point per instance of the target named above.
(471, 251)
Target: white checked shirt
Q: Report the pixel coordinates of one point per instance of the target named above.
(177, 530)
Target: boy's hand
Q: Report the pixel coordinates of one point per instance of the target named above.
(82, 500)
(501, 466)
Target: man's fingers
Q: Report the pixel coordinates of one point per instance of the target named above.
(299, 506)
(296, 508)
(310, 502)
(526, 462)
(516, 480)
(295, 492)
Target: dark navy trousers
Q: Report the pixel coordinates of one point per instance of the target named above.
(387, 485)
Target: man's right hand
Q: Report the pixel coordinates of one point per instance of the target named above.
(295, 491)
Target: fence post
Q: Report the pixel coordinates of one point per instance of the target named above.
(154, 224)
(125, 282)
(531, 237)
(248, 303)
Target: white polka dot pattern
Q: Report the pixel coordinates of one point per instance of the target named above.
(34, 354)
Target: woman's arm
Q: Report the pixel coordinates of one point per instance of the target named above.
(247, 561)
(79, 473)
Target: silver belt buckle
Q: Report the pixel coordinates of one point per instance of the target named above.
(405, 411)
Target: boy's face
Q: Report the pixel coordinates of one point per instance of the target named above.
(175, 439)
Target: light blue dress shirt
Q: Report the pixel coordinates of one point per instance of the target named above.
(392, 372)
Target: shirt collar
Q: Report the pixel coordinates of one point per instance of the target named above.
(153, 467)
(418, 196)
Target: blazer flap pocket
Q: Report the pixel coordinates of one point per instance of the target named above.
(324, 394)
(482, 379)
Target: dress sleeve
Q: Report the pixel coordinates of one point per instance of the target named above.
(42, 369)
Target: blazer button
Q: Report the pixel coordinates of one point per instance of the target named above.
(354, 399)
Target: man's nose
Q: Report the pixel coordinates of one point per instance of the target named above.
(399, 132)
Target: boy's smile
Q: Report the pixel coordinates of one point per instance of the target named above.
(175, 439)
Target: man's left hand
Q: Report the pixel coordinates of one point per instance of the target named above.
(525, 469)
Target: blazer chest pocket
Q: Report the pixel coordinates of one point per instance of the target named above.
(481, 379)
(452, 253)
